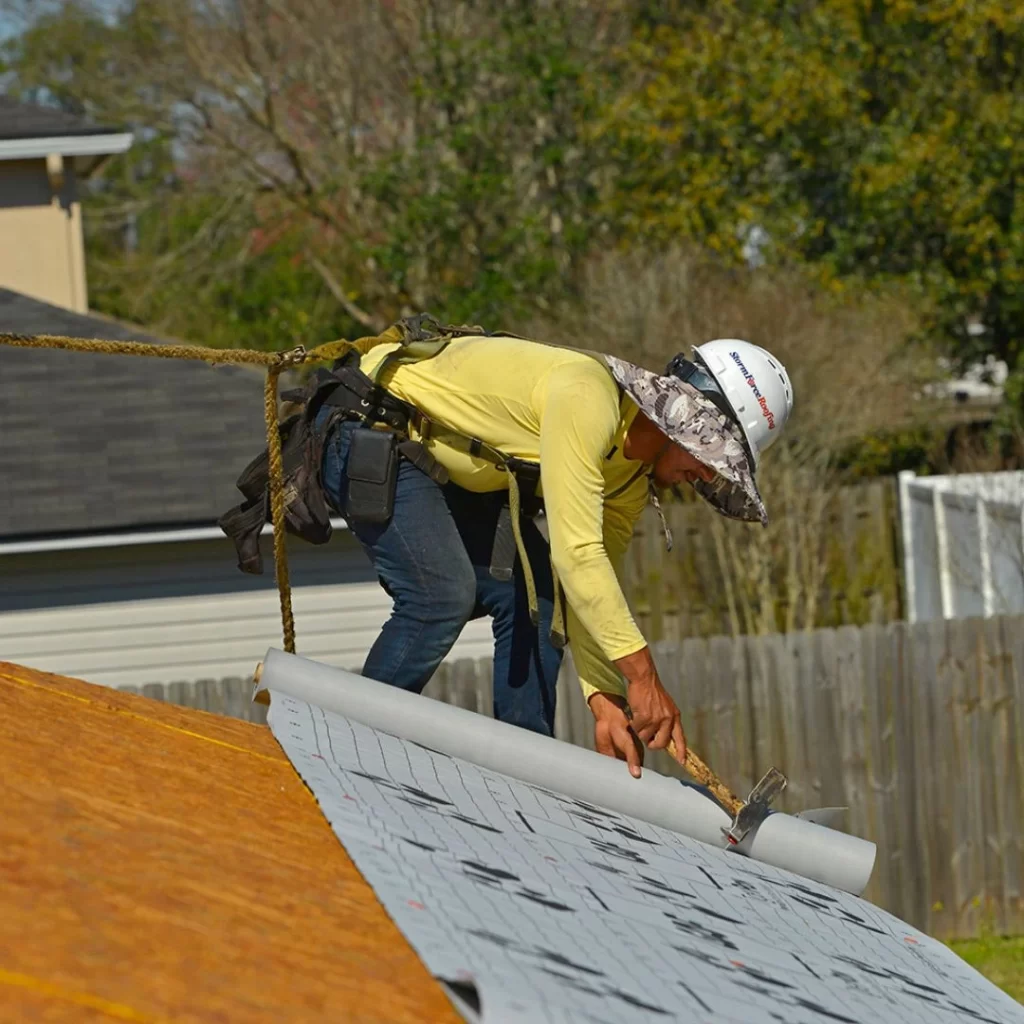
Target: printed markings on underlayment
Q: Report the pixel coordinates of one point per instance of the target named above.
(562, 912)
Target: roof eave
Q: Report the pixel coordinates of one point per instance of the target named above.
(87, 541)
(65, 145)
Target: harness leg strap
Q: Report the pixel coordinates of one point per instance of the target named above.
(559, 634)
(503, 550)
(517, 530)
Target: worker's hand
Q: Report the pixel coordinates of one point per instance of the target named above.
(655, 715)
(613, 736)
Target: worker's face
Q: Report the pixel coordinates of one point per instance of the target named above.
(675, 465)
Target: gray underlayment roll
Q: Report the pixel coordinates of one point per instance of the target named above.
(793, 844)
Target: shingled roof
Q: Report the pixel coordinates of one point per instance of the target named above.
(165, 864)
(98, 443)
(30, 121)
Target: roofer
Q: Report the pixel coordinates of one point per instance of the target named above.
(440, 446)
(606, 435)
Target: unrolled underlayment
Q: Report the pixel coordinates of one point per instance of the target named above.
(552, 909)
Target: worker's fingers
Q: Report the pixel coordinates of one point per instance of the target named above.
(628, 748)
(646, 732)
(646, 726)
(603, 740)
(679, 741)
(659, 741)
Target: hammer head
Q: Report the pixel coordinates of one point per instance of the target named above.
(757, 805)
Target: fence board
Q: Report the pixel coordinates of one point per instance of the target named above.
(675, 671)
(581, 721)
(934, 780)
(795, 681)
(823, 728)
(966, 862)
(990, 671)
(206, 696)
(721, 747)
(881, 742)
(563, 704)
(852, 779)
(906, 731)
(1012, 752)
(871, 745)
(696, 687)
(924, 653)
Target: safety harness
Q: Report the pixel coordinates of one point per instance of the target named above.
(354, 395)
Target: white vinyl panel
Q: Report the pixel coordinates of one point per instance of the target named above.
(188, 652)
(346, 606)
(178, 612)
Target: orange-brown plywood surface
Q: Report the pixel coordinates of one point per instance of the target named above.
(161, 864)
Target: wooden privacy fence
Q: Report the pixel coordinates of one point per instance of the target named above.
(919, 730)
(855, 537)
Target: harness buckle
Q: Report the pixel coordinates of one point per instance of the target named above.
(424, 425)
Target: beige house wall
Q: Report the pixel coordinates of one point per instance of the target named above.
(41, 250)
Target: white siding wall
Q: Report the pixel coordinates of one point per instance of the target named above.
(183, 611)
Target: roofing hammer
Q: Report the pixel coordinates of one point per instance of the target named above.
(745, 815)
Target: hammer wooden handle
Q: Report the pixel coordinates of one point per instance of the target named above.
(706, 777)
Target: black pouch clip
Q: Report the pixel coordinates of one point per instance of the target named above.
(372, 476)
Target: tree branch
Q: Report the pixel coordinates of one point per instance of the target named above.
(334, 287)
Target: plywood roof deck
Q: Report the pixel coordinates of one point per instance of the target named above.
(160, 864)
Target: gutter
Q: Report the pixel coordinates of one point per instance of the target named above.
(65, 145)
(119, 540)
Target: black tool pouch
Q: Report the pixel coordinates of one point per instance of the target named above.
(372, 476)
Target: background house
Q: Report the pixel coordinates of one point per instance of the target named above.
(114, 469)
(113, 472)
(44, 155)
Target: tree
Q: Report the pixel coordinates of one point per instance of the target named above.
(852, 374)
(876, 139)
(412, 154)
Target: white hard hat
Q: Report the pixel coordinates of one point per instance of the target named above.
(753, 382)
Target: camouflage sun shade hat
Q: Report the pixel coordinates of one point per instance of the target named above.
(697, 425)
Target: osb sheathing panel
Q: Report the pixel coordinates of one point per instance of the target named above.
(161, 864)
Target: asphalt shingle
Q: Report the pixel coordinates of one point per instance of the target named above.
(94, 443)
(29, 121)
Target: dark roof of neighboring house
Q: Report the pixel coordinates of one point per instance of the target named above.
(92, 443)
(29, 121)
(167, 864)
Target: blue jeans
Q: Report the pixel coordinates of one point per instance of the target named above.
(433, 559)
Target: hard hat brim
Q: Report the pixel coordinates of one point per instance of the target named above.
(700, 428)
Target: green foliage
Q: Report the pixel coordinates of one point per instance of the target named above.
(217, 275)
(490, 147)
(450, 173)
(487, 213)
(999, 958)
(888, 453)
(873, 140)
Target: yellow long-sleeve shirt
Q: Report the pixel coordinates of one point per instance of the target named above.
(563, 409)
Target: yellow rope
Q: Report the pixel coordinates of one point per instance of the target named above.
(139, 348)
(276, 474)
(275, 362)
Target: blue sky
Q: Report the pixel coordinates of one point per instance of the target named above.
(11, 22)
